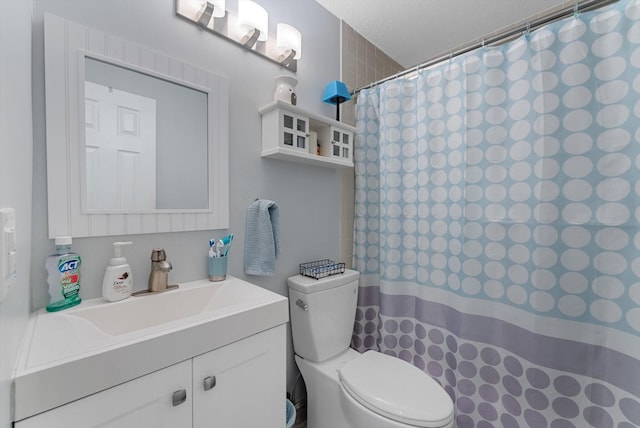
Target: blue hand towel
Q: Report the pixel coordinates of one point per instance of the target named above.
(262, 238)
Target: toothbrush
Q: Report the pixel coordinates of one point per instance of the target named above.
(211, 244)
(219, 247)
(228, 239)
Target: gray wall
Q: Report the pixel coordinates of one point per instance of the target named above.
(309, 197)
(16, 151)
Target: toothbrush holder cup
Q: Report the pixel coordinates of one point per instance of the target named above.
(217, 268)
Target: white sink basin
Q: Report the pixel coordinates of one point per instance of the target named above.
(140, 312)
(70, 354)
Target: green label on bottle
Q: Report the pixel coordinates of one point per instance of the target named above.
(69, 267)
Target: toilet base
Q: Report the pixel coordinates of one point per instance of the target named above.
(324, 409)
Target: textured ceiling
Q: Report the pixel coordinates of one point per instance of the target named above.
(414, 31)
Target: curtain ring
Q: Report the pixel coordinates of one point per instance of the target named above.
(410, 75)
(575, 10)
(527, 32)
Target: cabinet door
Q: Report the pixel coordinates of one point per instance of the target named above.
(151, 401)
(336, 143)
(295, 131)
(346, 151)
(242, 385)
(342, 142)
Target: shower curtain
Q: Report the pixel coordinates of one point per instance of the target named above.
(497, 225)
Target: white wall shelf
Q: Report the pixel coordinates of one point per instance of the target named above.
(289, 133)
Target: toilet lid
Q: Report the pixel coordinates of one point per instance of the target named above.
(396, 389)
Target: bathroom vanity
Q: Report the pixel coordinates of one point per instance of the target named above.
(198, 356)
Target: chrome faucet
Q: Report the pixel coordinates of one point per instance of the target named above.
(159, 276)
(160, 267)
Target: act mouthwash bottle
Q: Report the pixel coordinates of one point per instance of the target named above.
(63, 270)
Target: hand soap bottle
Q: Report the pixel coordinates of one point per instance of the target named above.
(118, 278)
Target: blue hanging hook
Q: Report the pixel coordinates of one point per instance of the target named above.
(575, 10)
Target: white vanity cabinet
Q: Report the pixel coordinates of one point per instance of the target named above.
(287, 135)
(144, 402)
(239, 385)
(242, 384)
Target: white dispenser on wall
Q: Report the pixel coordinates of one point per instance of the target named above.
(118, 278)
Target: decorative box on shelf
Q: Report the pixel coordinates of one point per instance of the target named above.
(291, 133)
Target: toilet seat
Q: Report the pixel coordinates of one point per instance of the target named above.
(397, 390)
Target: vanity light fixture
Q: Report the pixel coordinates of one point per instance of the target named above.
(289, 42)
(253, 21)
(202, 10)
(249, 28)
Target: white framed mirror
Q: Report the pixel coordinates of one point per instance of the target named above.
(137, 142)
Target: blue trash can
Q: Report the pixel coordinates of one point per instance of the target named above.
(291, 414)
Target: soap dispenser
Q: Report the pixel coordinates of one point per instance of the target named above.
(118, 278)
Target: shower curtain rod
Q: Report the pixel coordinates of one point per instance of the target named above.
(501, 36)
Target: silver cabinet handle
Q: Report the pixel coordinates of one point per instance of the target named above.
(302, 304)
(209, 382)
(179, 397)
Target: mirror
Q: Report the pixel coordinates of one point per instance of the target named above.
(145, 140)
(137, 142)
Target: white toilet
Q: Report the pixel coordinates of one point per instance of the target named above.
(346, 389)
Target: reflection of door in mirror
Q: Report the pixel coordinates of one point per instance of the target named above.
(120, 132)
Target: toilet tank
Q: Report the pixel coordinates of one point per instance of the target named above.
(322, 314)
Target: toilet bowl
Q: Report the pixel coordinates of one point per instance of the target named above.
(346, 389)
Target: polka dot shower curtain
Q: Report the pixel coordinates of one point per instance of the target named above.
(497, 225)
